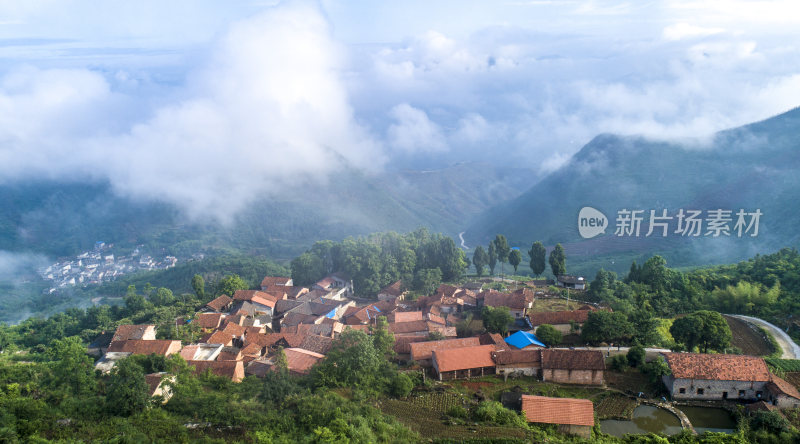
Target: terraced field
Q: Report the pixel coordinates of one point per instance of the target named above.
(747, 338)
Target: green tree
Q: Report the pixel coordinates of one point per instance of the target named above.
(135, 302)
(496, 319)
(162, 296)
(481, 259)
(606, 326)
(281, 362)
(307, 269)
(229, 284)
(199, 286)
(558, 261)
(492, 257)
(537, 254)
(548, 334)
(72, 367)
(705, 329)
(515, 258)
(127, 391)
(427, 280)
(382, 338)
(636, 355)
(502, 249)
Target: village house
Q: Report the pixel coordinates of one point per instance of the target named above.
(336, 281)
(269, 282)
(422, 352)
(300, 361)
(573, 282)
(158, 385)
(516, 303)
(233, 370)
(782, 394)
(572, 366)
(700, 376)
(146, 347)
(209, 321)
(516, 363)
(201, 352)
(219, 305)
(562, 321)
(393, 291)
(573, 416)
(127, 332)
(524, 339)
(262, 302)
(464, 362)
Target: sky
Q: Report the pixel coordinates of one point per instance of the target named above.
(211, 104)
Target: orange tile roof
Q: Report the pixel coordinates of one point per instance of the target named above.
(402, 344)
(228, 369)
(781, 386)
(406, 316)
(256, 297)
(253, 349)
(209, 320)
(145, 347)
(717, 367)
(219, 337)
(220, 303)
(395, 289)
(234, 329)
(270, 281)
(423, 350)
(463, 358)
(559, 317)
(408, 327)
(505, 357)
(126, 332)
(545, 410)
(300, 361)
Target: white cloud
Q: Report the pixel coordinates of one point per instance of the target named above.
(413, 131)
(680, 31)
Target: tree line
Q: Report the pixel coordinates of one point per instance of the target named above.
(498, 250)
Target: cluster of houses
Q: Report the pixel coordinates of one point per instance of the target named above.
(240, 335)
(100, 265)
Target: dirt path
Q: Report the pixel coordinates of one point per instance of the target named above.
(790, 349)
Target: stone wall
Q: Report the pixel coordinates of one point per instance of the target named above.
(710, 390)
(585, 377)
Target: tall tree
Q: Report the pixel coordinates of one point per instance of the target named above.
(382, 338)
(229, 284)
(537, 254)
(515, 258)
(480, 259)
(496, 319)
(558, 261)
(606, 326)
(502, 249)
(127, 391)
(492, 254)
(72, 368)
(199, 286)
(705, 329)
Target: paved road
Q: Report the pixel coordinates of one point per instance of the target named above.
(461, 236)
(790, 349)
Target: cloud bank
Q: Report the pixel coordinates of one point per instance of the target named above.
(218, 108)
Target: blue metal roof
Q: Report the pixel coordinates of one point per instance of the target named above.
(522, 339)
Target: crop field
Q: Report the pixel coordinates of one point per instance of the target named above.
(793, 378)
(438, 402)
(614, 406)
(430, 424)
(632, 381)
(785, 365)
(553, 304)
(748, 339)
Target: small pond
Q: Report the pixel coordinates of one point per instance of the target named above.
(646, 419)
(709, 419)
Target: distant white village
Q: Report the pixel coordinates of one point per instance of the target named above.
(100, 265)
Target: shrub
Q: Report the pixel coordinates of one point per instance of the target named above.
(619, 363)
(548, 334)
(457, 411)
(494, 412)
(636, 355)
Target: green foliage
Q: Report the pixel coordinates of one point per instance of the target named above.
(619, 363)
(401, 385)
(548, 334)
(127, 391)
(501, 248)
(706, 329)
(457, 411)
(72, 369)
(786, 365)
(199, 286)
(380, 259)
(606, 326)
(480, 259)
(492, 254)
(229, 284)
(427, 280)
(515, 258)
(494, 412)
(537, 254)
(382, 338)
(655, 369)
(496, 319)
(558, 261)
(636, 355)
